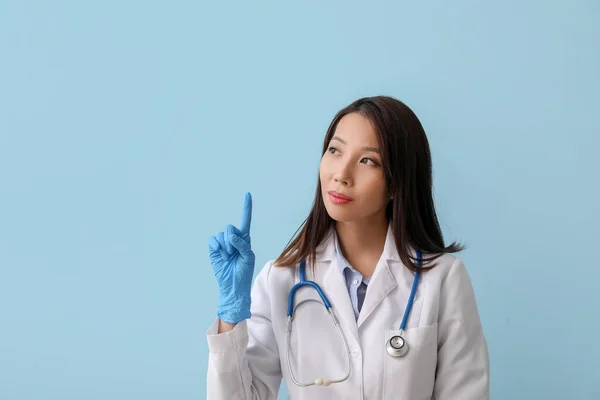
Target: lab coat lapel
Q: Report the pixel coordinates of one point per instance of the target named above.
(382, 282)
(335, 288)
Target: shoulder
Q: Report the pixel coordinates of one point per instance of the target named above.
(271, 290)
(450, 283)
(449, 267)
(454, 289)
(272, 275)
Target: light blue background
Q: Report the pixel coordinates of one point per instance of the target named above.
(129, 132)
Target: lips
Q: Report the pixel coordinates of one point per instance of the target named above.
(339, 195)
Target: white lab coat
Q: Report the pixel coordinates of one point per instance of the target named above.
(447, 357)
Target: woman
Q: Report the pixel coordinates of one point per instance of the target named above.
(408, 326)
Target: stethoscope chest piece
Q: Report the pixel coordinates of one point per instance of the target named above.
(397, 346)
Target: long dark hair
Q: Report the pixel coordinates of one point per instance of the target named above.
(406, 161)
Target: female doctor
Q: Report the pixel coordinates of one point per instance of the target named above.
(366, 302)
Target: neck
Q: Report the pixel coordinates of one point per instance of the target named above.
(362, 243)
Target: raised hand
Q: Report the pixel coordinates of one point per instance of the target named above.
(233, 261)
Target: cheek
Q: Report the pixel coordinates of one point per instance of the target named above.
(323, 170)
(376, 187)
(322, 181)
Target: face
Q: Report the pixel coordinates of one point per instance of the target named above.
(352, 167)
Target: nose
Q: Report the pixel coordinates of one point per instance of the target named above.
(341, 180)
(342, 175)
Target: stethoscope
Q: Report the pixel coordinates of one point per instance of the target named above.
(396, 346)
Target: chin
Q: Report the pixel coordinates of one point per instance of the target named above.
(342, 219)
(339, 215)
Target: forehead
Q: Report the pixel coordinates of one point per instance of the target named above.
(356, 129)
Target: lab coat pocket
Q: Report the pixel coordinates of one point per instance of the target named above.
(411, 376)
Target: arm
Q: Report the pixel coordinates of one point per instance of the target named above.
(463, 365)
(225, 326)
(244, 363)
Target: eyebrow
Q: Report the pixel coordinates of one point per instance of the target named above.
(366, 148)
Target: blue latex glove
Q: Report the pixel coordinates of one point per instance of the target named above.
(232, 259)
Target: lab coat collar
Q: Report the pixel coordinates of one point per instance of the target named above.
(383, 281)
(326, 249)
(343, 264)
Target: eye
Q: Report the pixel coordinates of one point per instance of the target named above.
(370, 159)
(333, 150)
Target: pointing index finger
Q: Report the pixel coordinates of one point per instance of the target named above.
(246, 214)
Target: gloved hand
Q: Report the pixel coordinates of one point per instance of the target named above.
(233, 260)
